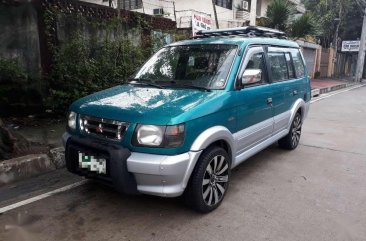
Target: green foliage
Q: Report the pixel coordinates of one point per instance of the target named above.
(304, 26)
(11, 71)
(278, 14)
(83, 67)
(326, 11)
(94, 55)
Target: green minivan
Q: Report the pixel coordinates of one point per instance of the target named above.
(195, 110)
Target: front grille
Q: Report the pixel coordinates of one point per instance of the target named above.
(103, 128)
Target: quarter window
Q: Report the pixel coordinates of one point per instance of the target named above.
(278, 66)
(298, 63)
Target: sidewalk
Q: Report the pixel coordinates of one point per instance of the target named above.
(321, 86)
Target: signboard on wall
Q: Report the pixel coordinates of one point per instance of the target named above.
(350, 46)
(200, 22)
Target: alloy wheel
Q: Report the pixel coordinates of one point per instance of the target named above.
(215, 180)
(296, 131)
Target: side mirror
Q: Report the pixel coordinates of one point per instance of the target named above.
(251, 76)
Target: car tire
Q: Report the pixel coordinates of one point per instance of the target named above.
(209, 181)
(292, 139)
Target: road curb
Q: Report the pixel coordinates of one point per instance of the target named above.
(317, 92)
(24, 167)
(57, 156)
(20, 168)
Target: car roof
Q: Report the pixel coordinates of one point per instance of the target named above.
(238, 40)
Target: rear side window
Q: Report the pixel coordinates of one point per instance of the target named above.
(298, 63)
(278, 66)
(290, 66)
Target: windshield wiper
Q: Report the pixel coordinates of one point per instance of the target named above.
(138, 81)
(192, 87)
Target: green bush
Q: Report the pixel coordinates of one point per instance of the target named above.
(10, 71)
(304, 26)
(83, 67)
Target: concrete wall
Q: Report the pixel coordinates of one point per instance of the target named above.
(23, 37)
(19, 37)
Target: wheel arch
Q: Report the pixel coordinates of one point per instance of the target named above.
(217, 135)
(299, 105)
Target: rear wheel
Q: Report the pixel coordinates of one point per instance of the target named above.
(209, 181)
(292, 139)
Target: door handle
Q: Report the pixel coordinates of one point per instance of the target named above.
(269, 101)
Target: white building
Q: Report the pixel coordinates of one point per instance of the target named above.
(230, 13)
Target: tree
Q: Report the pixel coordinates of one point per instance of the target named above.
(278, 14)
(327, 11)
(304, 26)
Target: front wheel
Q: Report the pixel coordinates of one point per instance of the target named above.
(292, 139)
(209, 181)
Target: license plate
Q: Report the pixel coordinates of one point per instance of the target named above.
(92, 163)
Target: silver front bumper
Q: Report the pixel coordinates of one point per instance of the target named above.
(162, 175)
(159, 175)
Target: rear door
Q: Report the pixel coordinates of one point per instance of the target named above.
(286, 86)
(254, 110)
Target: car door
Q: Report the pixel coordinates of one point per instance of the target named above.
(287, 87)
(280, 74)
(254, 110)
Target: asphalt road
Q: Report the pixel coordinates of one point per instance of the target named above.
(317, 192)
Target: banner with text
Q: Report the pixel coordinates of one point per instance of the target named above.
(200, 22)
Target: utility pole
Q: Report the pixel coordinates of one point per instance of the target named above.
(361, 52)
(336, 40)
(215, 13)
(175, 12)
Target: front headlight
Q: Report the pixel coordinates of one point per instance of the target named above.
(71, 120)
(149, 135)
(159, 136)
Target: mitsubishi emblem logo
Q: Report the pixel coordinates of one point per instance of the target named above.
(99, 129)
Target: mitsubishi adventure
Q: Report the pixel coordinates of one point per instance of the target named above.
(194, 111)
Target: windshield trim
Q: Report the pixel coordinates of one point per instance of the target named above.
(237, 47)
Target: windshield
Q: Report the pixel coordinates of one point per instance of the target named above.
(205, 66)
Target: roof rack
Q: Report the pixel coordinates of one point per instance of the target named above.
(249, 31)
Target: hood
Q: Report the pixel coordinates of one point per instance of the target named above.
(136, 104)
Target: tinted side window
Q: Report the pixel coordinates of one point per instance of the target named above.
(290, 66)
(298, 63)
(278, 66)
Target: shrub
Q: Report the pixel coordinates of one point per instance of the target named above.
(304, 26)
(10, 71)
(83, 67)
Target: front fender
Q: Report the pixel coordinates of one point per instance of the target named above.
(211, 135)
